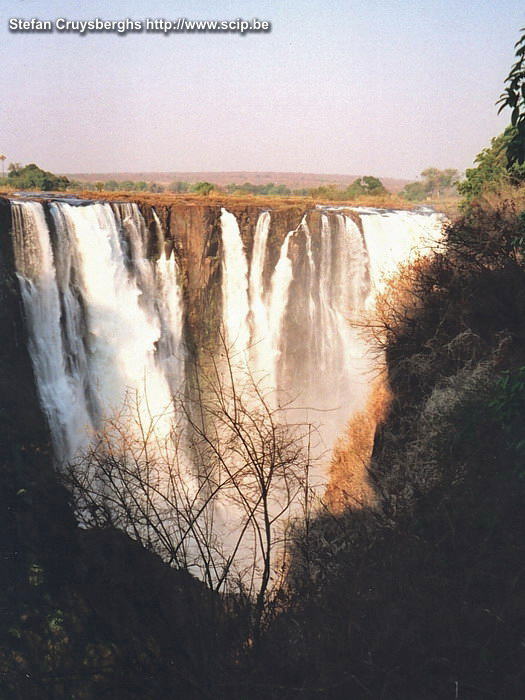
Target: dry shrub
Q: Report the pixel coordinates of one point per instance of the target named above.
(349, 484)
(504, 197)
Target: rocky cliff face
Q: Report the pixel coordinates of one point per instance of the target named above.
(194, 232)
(20, 414)
(324, 274)
(69, 598)
(36, 523)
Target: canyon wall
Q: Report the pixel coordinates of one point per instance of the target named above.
(120, 297)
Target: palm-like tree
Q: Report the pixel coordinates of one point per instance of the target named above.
(2, 158)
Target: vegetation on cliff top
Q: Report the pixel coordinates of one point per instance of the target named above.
(31, 177)
(365, 191)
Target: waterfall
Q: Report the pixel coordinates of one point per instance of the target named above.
(260, 333)
(59, 381)
(254, 320)
(122, 332)
(105, 316)
(105, 324)
(171, 315)
(235, 301)
(395, 237)
(280, 289)
(323, 360)
(107, 304)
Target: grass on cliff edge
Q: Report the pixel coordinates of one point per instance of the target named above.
(388, 201)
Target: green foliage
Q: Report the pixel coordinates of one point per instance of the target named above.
(270, 189)
(203, 188)
(514, 97)
(178, 187)
(328, 192)
(128, 186)
(435, 183)
(503, 163)
(492, 170)
(31, 177)
(36, 574)
(519, 240)
(152, 187)
(414, 192)
(367, 185)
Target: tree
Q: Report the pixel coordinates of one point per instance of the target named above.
(178, 186)
(3, 158)
(414, 192)
(329, 192)
(367, 185)
(14, 169)
(203, 188)
(32, 177)
(152, 187)
(492, 168)
(514, 97)
(435, 183)
(214, 498)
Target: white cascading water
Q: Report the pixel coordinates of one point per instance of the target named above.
(340, 353)
(253, 316)
(168, 297)
(235, 301)
(171, 314)
(297, 331)
(98, 319)
(396, 237)
(280, 289)
(122, 333)
(260, 335)
(60, 389)
(105, 325)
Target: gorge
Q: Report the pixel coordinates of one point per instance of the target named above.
(260, 292)
(120, 297)
(125, 305)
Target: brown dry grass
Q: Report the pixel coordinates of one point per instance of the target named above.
(217, 199)
(349, 485)
(500, 198)
(234, 200)
(450, 206)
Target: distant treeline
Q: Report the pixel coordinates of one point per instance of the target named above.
(433, 184)
(367, 185)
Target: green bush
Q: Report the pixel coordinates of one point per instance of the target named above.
(31, 177)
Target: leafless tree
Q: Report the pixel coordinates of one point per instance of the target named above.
(217, 495)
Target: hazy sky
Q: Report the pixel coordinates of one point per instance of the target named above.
(338, 86)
